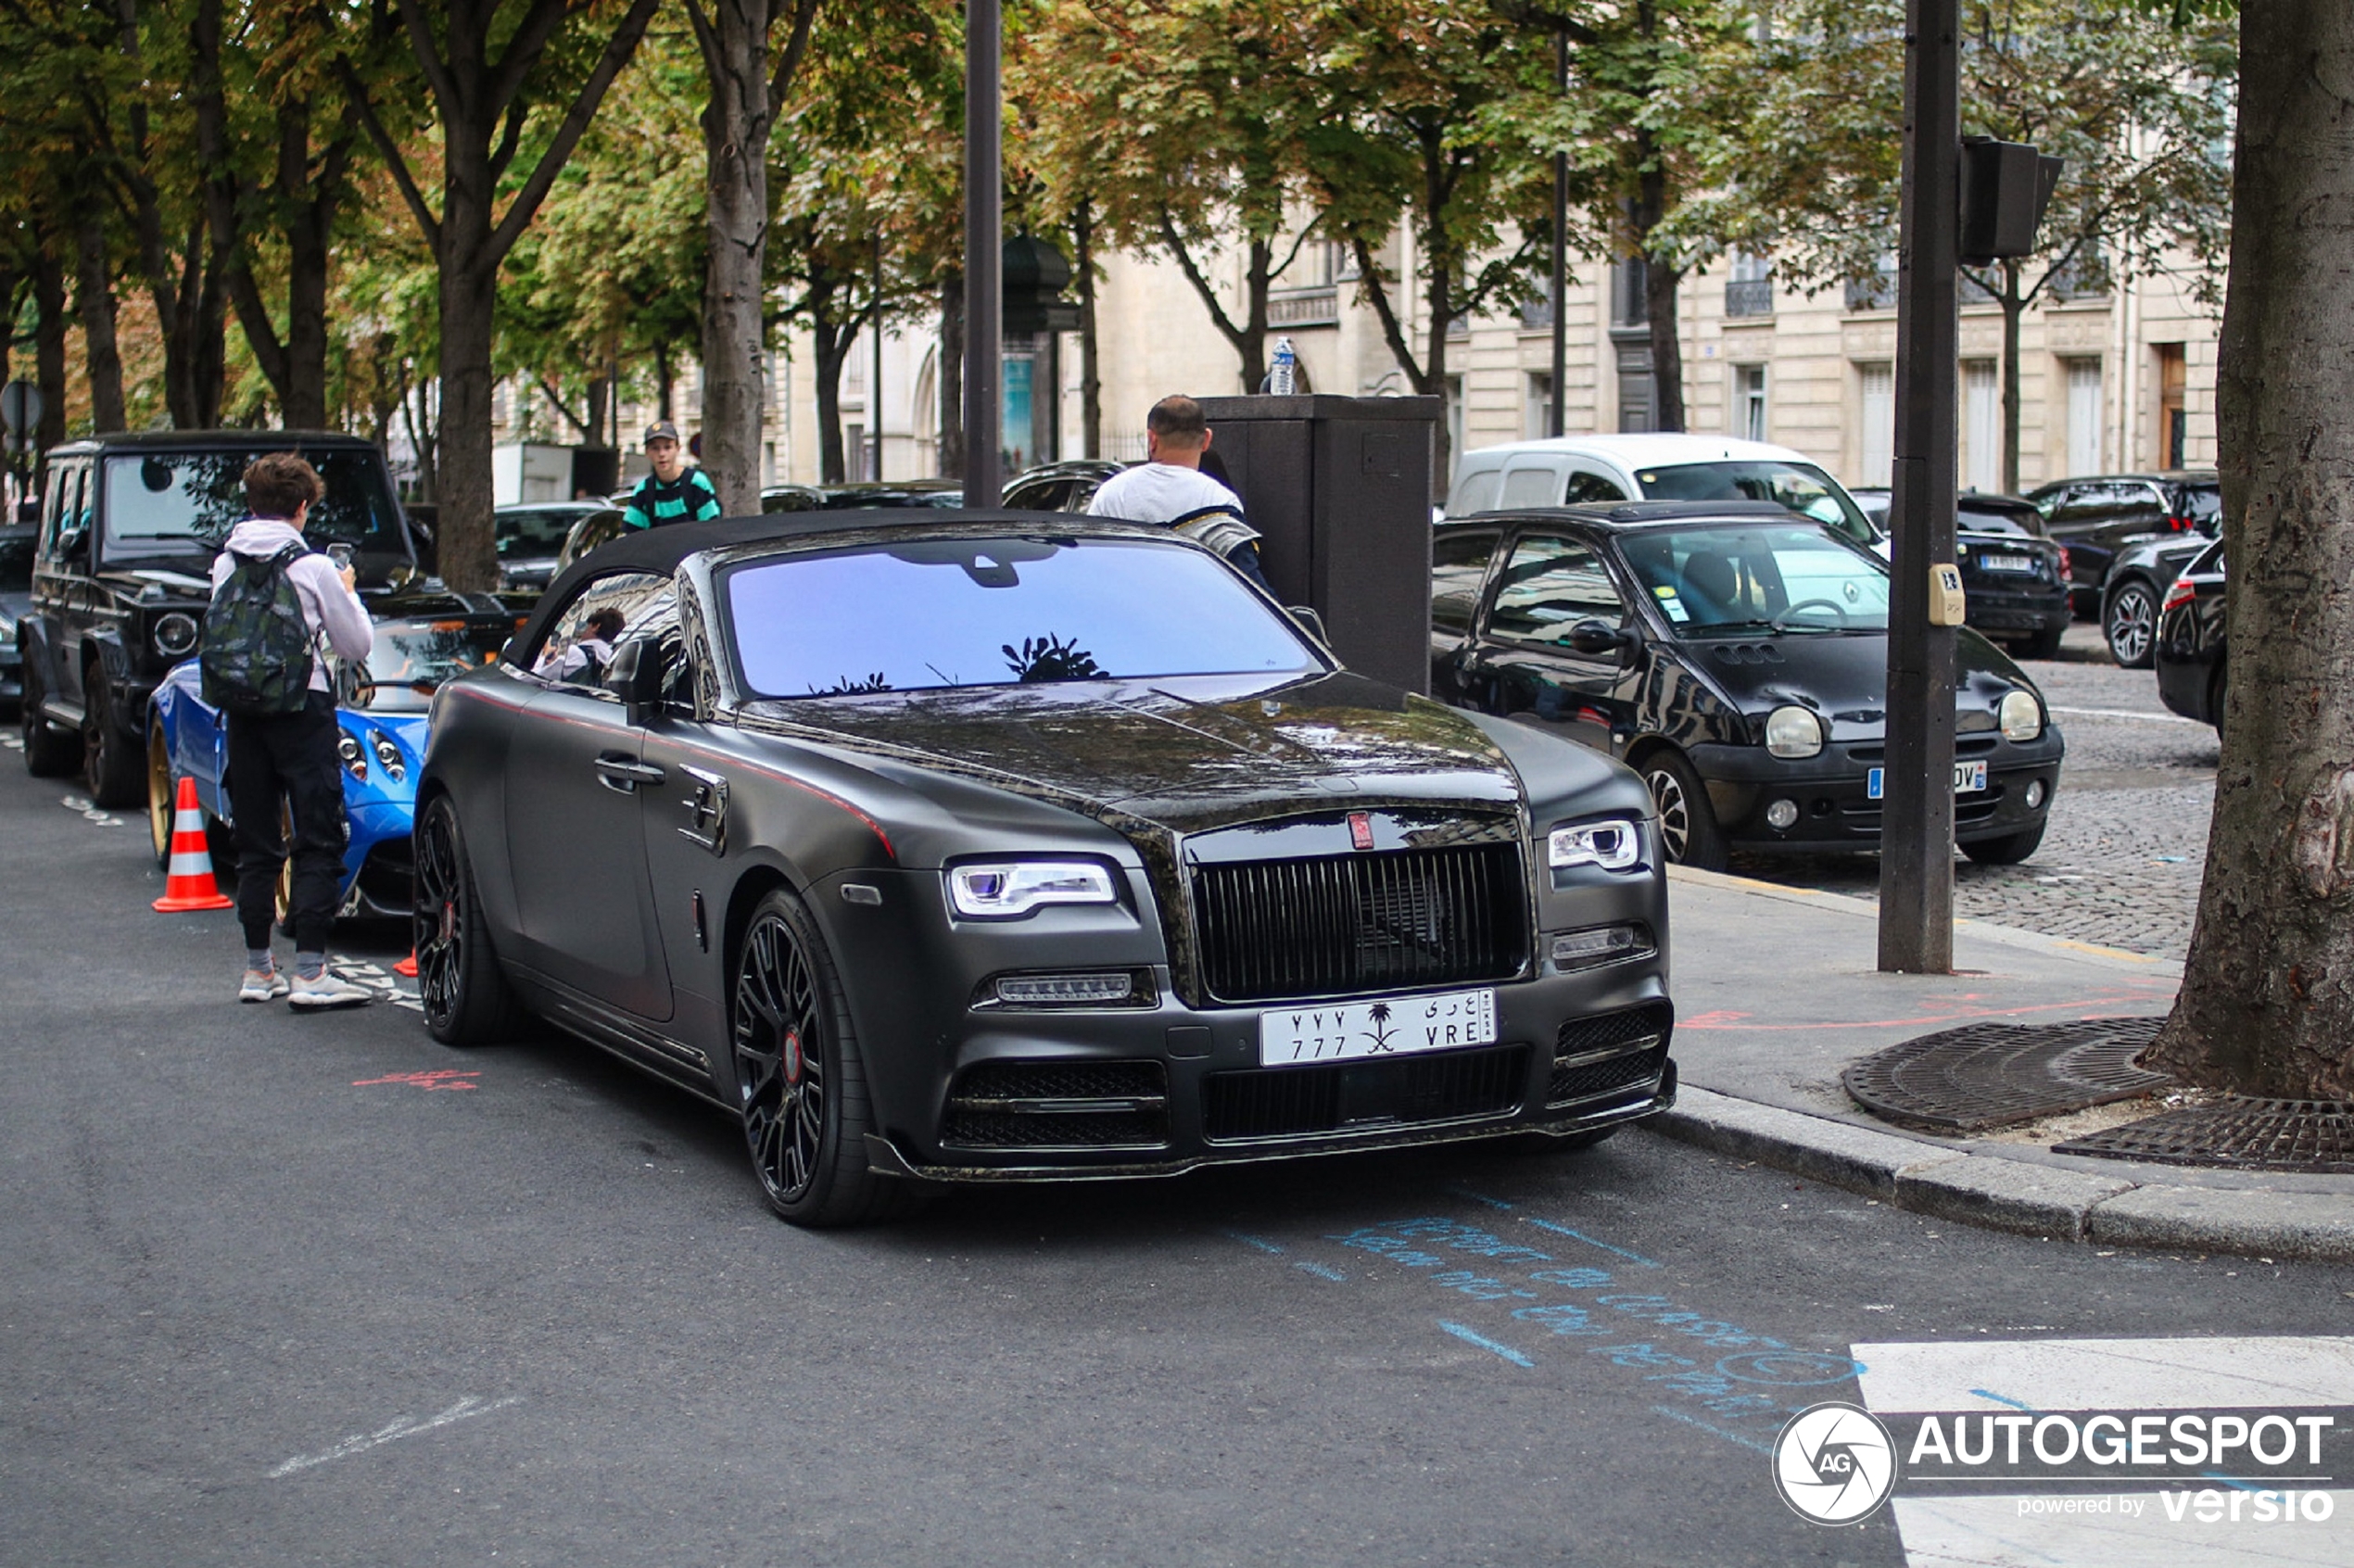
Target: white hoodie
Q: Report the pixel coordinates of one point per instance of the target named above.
(330, 610)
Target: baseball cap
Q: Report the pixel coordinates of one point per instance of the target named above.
(661, 430)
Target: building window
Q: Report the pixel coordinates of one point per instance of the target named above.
(1876, 436)
(2174, 421)
(1981, 427)
(1455, 414)
(1536, 417)
(2083, 415)
(1750, 290)
(1629, 299)
(1877, 292)
(1749, 401)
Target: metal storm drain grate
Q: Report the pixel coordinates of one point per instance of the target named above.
(1989, 1075)
(2250, 1134)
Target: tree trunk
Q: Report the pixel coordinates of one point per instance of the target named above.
(598, 388)
(313, 202)
(831, 342)
(94, 299)
(1440, 300)
(735, 134)
(2267, 1006)
(1668, 346)
(952, 375)
(2014, 308)
(49, 341)
(1091, 381)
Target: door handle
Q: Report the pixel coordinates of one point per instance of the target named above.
(622, 774)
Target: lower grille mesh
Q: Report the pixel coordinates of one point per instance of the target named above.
(1641, 1030)
(1058, 1106)
(1398, 1091)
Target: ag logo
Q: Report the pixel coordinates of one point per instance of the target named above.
(1834, 1463)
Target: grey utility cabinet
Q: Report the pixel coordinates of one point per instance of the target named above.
(1341, 488)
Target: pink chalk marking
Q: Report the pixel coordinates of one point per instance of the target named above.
(440, 1077)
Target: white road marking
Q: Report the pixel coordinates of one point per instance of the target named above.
(2109, 1374)
(464, 1410)
(2123, 714)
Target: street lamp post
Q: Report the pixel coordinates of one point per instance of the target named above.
(1916, 818)
(1556, 423)
(984, 226)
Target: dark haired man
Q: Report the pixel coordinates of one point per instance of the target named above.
(1169, 488)
(285, 762)
(673, 492)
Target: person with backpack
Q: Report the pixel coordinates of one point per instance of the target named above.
(276, 606)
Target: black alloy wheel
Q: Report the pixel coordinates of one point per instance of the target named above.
(1687, 828)
(799, 1078)
(467, 999)
(160, 795)
(116, 774)
(49, 752)
(2129, 622)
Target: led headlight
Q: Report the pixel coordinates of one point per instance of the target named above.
(2020, 714)
(1008, 889)
(175, 634)
(1087, 990)
(1614, 845)
(7, 634)
(355, 761)
(1600, 944)
(389, 755)
(1793, 732)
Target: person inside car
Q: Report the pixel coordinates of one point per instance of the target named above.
(276, 603)
(587, 658)
(1169, 488)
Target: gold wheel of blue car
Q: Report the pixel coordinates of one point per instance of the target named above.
(781, 1058)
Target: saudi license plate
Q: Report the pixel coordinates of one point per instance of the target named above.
(1397, 1026)
(2006, 563)
(1969, 778)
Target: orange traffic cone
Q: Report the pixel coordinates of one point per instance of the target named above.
(407, 966)
(190, 885)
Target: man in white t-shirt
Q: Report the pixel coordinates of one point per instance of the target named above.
(1169, 488)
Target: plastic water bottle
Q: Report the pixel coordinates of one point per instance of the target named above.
(1284, 376)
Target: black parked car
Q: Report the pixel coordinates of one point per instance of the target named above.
(530, 537)
(17, 542)
(1059, 487)
(2137, 582)
(2014, 580)
(129, 524)
(963, 848)
(1735, 654)
(2095, 518)
(2193, 677)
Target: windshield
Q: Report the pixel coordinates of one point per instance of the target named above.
(2203, 504)
(16, 559)
(184, 503)
(1794, 578)
(412, 658)
(532, 531)
(960, 613)
(1801, 487)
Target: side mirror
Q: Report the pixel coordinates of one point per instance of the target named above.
(1594, 637)
(1306, 618)
(634, 676)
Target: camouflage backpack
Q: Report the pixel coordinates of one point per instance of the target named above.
(255, 653)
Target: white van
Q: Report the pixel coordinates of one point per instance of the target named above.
(1572, 469)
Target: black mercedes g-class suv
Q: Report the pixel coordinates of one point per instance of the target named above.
(129, 524)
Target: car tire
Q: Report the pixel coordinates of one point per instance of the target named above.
(467, 999)
(2128, 622)
(2045, 644)
(116, 775)
(160, 789)
(799, 1079)
(2008, 850)
(49, 752)
(1687, 828)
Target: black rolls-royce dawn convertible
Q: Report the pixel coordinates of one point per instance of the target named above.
(978, 847)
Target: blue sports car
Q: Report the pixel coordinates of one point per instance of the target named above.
(423, 639)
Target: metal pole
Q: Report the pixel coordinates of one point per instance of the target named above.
(1555, 418)
(985, 255)
(874, 382)
(1916, 818)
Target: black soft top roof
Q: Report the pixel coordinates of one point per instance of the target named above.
(660, 550)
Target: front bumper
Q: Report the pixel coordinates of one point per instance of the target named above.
(1998, 610)
(1831, 791)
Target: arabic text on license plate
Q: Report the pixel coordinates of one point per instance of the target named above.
(1397, 1026)
(1969, 778)
(2007, 562)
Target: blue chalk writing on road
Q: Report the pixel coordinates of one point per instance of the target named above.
(1460, 1331)
(1322, 1273)
(1259, 1242)
(1576, 1235)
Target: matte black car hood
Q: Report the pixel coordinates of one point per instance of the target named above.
(1842, 675)
(1182, 754)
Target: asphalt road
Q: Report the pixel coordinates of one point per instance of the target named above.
(2122, 859)
(269, 1296)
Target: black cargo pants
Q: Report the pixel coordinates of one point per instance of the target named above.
(287, 763)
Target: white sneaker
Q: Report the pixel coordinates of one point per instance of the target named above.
(329, 989)
(262, 985)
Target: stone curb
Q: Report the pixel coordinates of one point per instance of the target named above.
(2011, 1194)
